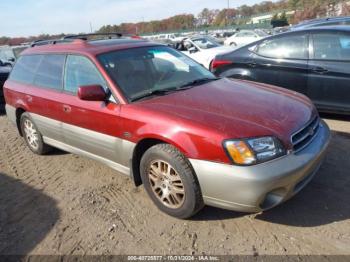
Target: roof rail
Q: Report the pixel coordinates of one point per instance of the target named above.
(80, 37)
(86, 36)
(49, 42)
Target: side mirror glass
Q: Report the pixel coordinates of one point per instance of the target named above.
(92, 93)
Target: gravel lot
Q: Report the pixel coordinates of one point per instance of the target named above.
(65, 204)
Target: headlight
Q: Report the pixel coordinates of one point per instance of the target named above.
(254, 151)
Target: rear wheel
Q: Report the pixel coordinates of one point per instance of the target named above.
(233, 44)
(32, 136)
(170, 181)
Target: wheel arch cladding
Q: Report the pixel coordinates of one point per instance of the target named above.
(141, 147)
(19, 113)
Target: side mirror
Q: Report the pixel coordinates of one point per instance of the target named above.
(92, 93)
(12, 60)
(193, 50)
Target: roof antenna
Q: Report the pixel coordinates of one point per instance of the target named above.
(90, 27)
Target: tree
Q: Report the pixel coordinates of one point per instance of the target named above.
(279, 20)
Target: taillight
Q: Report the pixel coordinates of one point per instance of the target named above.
(217, 63)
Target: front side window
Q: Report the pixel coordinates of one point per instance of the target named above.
(50, 71)
(80, 71)
(332, 46)
(141, 71)
(25, 68)
(287, 47)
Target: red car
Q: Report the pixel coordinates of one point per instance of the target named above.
(152, 113)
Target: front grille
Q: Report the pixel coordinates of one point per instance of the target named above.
(304, 136)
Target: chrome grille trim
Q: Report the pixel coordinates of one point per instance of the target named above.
(305, 135)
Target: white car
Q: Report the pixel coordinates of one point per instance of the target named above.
(202, 49)
(169, 37)
(245, 37)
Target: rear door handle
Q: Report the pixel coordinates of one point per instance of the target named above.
(320, 70)
(67, 109)
(252, 64)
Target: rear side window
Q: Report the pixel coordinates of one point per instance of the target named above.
(332, 46)
(80, 71)
(50, 72)
(287, 47)
(25, 68)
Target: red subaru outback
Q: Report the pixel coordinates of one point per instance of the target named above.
(152, 113)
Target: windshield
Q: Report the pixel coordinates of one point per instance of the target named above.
(205, 43)
(142, 71)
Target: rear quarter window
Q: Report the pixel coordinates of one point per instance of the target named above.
(25, 68)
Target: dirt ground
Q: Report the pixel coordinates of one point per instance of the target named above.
(65, 204)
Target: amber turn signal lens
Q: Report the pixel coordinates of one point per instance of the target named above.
(240, 152)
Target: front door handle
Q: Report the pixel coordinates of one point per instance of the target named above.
(67, 109)
(320, 70)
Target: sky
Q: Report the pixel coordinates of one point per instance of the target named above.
(34, 17)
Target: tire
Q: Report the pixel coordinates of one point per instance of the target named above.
(32, 136)
(233, 44)
(179, 187)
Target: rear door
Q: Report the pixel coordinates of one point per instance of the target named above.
(282, 61)
(329, 78)
(91, 126)
(38, 79)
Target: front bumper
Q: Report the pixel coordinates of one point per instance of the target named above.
(264, 186)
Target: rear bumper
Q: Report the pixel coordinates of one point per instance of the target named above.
(264, 186)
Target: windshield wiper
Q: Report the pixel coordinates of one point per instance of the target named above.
(153, 93)
(185, 86)
(196, 82)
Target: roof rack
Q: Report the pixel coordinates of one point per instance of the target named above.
(49, 42)
(80, 37)
(86, 36)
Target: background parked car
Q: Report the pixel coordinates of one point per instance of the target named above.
(330, 21)
(4, 73)
(9, 54)
(202, 49)
(315, 62)
(245, 37)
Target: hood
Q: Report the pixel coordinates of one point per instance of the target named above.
(237, 109)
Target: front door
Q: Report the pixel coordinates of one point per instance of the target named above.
(94, 127)
(329, 78)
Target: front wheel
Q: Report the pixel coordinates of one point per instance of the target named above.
(170, 181)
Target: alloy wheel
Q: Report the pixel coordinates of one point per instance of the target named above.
(31, 134)
(166, 184)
